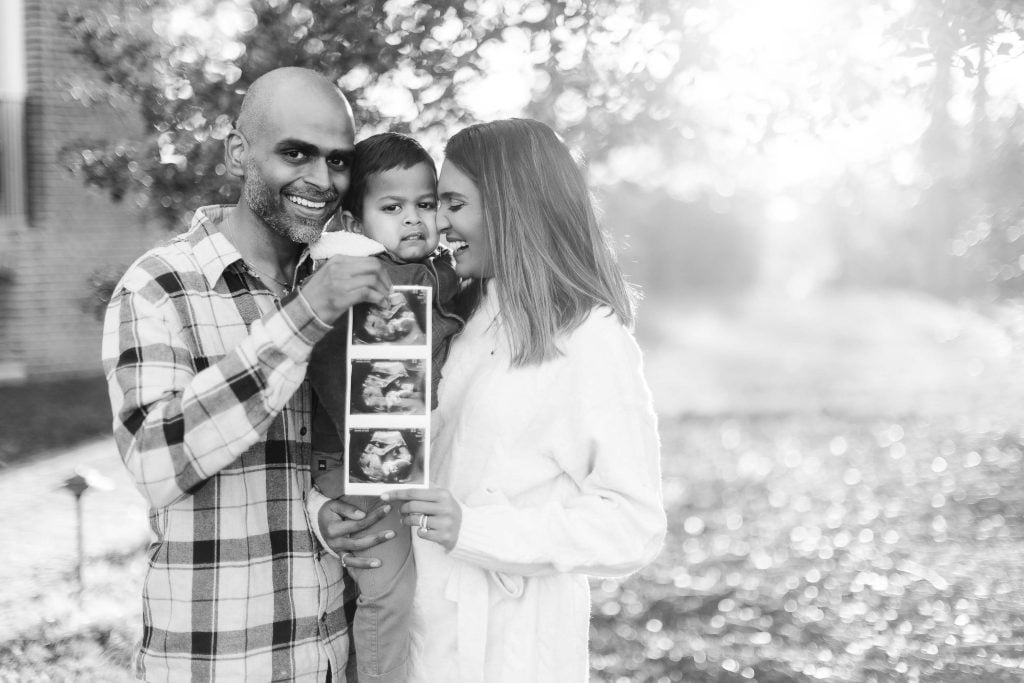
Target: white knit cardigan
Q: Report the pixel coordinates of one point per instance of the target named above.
(556, 468)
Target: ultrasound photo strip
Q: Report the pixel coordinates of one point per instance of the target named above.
(387, 439)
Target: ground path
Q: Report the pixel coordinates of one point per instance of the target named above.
(39, 528)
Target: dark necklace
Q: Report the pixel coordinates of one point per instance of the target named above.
(260, 275)
(253, 270)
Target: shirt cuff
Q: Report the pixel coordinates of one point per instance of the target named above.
(314, 502)
(305, 302)
(296, 328)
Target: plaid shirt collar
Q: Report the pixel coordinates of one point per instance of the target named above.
(214, 250)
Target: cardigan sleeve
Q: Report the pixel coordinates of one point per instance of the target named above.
(607, 443)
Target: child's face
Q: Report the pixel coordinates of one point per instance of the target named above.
(400, 211)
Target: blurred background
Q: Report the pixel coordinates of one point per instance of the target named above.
(818, 199)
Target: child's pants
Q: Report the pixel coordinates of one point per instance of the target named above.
(380, 629)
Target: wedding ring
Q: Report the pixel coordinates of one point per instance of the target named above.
(343, 556)
(423, 522)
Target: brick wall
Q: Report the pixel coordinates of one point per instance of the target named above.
(70, 231)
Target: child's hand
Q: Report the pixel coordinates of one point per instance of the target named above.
(435, 511)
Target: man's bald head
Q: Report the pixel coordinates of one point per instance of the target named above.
(289, 84)
(292, 148)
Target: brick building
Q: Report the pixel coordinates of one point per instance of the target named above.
(54, 233)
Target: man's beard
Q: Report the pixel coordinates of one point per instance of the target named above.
(269, 206)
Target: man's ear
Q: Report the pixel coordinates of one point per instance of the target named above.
(236, 152)
(351, 223)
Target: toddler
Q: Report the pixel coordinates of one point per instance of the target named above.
(389, 212)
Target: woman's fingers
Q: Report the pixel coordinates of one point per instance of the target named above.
(432, 535)
(435, 521)
(426, 495)
(443, 514)
(428, 501)
(429, 507)
(442, 530)
(441, 527)
(413, 510)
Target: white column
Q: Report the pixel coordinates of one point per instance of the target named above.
(12, 108)
(12, 50)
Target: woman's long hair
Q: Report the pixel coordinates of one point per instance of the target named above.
(552, 263)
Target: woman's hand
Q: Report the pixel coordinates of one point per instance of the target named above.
(435, 511)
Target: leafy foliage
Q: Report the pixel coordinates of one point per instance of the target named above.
(969, 210)
(608, 70)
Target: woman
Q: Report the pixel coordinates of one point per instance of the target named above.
(544, 447)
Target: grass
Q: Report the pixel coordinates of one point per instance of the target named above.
(64, 636)
(800, 548)
(807, 548)
(43, 416)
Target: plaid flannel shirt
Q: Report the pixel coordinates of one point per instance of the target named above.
(206, 371)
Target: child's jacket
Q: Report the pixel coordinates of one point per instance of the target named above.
(327, 363)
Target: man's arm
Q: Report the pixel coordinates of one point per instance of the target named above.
(176, 425)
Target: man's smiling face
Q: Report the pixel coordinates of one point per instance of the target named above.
(297, 167)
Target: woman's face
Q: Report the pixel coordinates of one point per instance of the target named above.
(460, 218)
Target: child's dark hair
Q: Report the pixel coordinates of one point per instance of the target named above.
(379, 153)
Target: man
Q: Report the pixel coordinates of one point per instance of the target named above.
(205, 349)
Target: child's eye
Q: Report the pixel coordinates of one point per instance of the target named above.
(430, 206)
(391, 208)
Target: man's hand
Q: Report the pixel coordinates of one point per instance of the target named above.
(344, 281)
(341, 524)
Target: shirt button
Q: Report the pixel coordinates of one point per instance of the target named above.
(302, 432)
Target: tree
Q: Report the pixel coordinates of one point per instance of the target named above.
(971, 214)
(603, 73)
